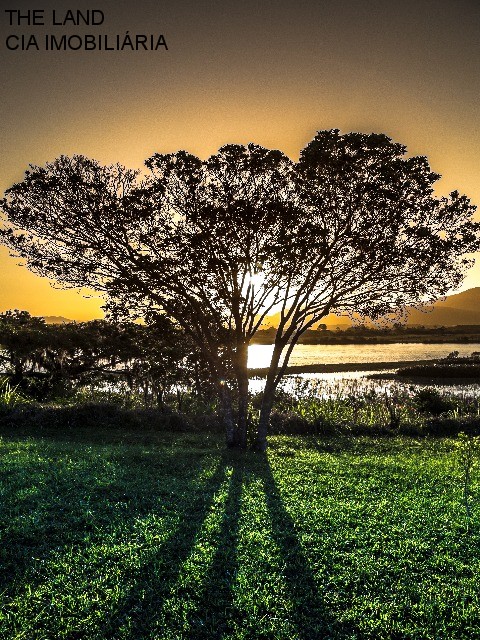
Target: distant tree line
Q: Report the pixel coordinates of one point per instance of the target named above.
(360, 334)
(48, 360)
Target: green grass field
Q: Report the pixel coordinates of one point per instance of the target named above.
(177, 538)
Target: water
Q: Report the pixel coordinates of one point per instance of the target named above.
(259, 355)
(359, 382)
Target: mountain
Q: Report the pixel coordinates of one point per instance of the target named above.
(459, 308)
(56, 320)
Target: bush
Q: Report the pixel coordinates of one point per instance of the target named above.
(288, 423)
(10, 397)
(447, 426)
(91, 417)
(431, 401)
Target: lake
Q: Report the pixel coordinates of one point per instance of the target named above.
(356, 382)
(259, 355)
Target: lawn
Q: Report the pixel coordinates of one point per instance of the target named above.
(173, 537)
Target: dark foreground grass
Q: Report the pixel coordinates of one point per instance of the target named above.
(352, 538)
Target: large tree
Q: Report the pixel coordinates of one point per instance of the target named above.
(353, 227)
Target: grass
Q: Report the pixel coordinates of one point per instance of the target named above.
(176, 538)
(351, 407)
(10, 397)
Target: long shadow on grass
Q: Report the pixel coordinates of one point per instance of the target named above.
(215, 611)
(209, 611)
(310, 615)
(70, 507)
(155, 580)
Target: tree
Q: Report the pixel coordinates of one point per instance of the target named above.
(352, 228)
(57, 358)
(23, 340)
(155, 358)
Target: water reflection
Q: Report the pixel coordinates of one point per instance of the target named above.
(355, 383)
(259, 355)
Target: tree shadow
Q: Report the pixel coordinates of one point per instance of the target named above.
(154, 581)
(212, 611)
(209, 610)
(58, 517)
(310, 615)
(215, 613)
(207, 621)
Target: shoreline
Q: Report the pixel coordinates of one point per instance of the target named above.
(342, 367)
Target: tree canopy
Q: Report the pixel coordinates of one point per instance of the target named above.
(353, 227)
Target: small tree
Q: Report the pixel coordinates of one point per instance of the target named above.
(352, 228)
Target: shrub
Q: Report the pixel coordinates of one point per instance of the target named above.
(288, 423)
(449, 426)
(431, 401)
(92, 417)
(10, 397)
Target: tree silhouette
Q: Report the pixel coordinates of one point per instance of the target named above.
(23, 341)
(55, 359)
(353, 227)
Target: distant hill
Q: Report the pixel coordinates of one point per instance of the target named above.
(56, 320)
(459, 308)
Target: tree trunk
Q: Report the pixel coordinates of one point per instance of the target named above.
(242, 382)
(17, 372)
(267, 401)
(227, 415)
(146, 397)
(159, 394)
(196, 378)
(179, 401)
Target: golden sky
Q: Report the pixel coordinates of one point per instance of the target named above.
(269, 72)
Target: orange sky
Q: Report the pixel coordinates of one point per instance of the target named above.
(268, 72)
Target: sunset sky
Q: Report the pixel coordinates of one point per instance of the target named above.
(263, 71)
